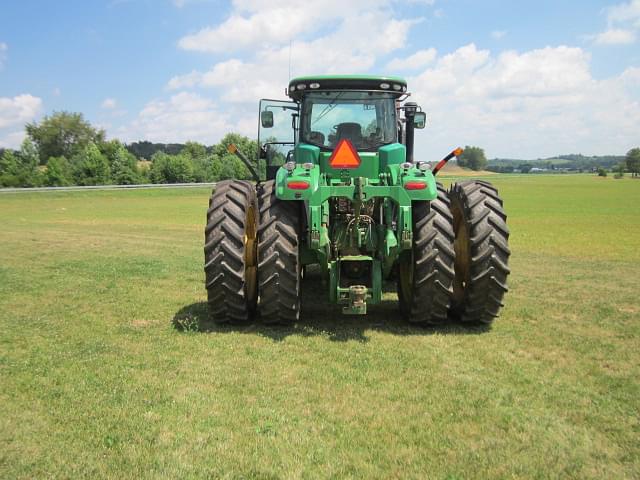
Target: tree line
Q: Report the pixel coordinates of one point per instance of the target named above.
(64, 149)
(573, 162)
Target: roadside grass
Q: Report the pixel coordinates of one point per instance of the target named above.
(109, 369)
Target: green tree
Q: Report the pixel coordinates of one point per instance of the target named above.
(171, 168)
(28, 161)
(194, 150)
(62, 134)
(228, 167)
(633, 161)
(473, 158)
(91, 167)
(59, 172)
(124, 166)
(247, 146)
(9, 170)
(20, 169)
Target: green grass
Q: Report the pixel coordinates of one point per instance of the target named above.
(96, 381)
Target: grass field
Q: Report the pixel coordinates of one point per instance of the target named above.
(96, 381)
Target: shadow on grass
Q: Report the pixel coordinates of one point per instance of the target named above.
(319, 317)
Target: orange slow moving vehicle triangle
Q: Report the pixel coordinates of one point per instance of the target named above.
(344, 156)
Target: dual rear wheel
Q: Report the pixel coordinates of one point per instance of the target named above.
(457, 267)
(240, 278)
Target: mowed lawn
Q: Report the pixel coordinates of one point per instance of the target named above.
(97, 382)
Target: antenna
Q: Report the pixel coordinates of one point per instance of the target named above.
(289, 58)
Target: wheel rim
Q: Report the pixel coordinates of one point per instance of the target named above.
(250, 241)
(462, 261)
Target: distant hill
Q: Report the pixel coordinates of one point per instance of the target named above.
(570, 162)
(452, 169)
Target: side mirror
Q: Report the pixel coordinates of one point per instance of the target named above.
(420, 120)
(266, 118)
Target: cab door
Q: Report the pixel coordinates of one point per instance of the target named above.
(277, 133)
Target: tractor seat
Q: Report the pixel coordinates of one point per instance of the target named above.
(316, 137)
(351, 131)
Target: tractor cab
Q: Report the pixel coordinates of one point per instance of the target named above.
(324, 110)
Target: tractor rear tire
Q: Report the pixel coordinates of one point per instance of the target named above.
(230, 252)
(482, 251)
(278, 258)
(425, 274)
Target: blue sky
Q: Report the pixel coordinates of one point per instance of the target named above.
(521, 79)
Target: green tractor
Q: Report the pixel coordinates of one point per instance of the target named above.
(344, 191)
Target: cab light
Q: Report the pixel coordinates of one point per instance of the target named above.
(298, 185)
(314, 85)
(415, 186)
(385, 86)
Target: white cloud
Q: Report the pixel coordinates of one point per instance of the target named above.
(261, 23)
(347, 49)
(624, 12)
(498, 34)
(18, 110)
(12, 139)
(419, 59)
(623, 21)
(615, 36)
(3, 53)
(14, 113)
(343, 46)
(109, 103)
(530, 104)
(184, 116)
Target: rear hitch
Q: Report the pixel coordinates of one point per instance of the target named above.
(357, 301)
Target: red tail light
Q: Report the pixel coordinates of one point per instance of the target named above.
(297, 185)
(415, 186)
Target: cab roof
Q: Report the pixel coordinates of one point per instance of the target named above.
(321, 83)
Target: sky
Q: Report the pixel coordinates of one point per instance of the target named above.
(519, 79)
